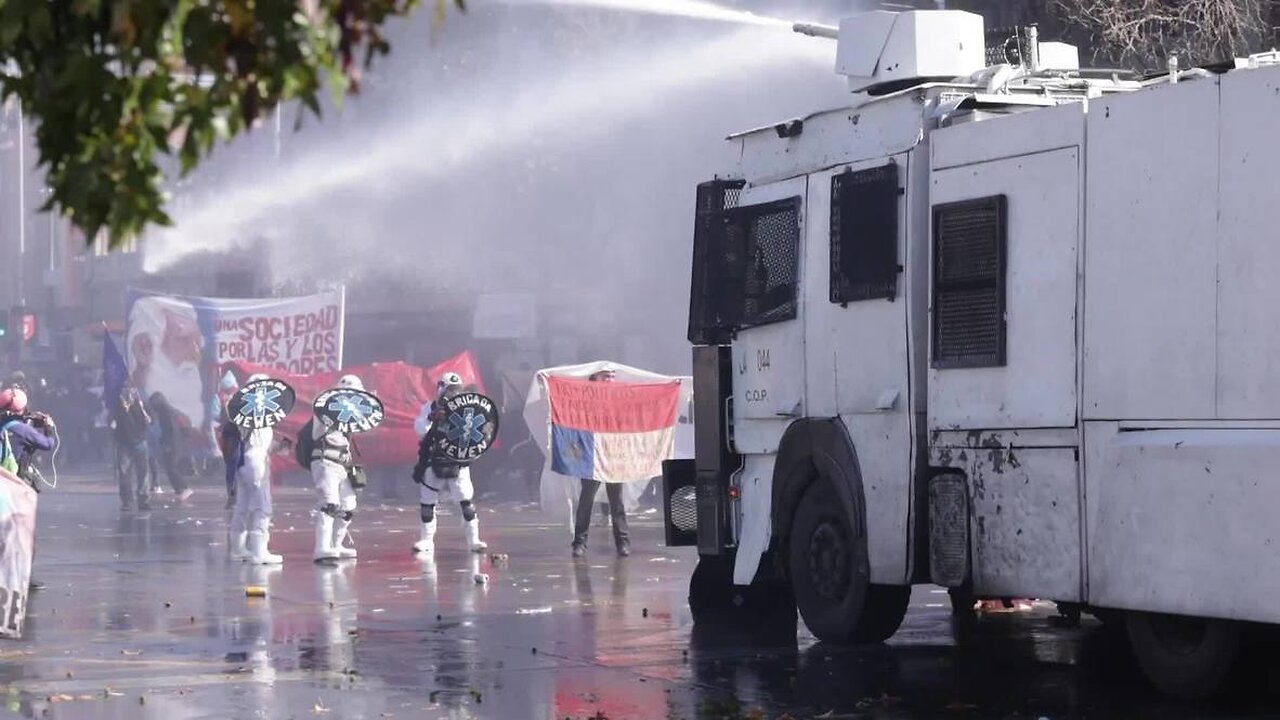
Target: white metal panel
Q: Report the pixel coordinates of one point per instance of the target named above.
(1031, 131)
(820, 354)
(768, 361)
(756, 515)
(1037, 385)
(883, 443)
(1248, 254)
(878, 129)
(1150, 254)
(1184, 521)
(867, 367)
(870, 336)
(861, 42)
(879, 47)
(1025, 521)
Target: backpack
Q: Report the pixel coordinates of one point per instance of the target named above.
(305, 445)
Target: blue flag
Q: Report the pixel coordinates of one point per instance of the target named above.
(114, 372)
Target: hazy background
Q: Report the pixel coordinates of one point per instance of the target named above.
(532, 147)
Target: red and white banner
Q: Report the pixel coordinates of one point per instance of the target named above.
(175, 344)
(17, 543)
(403, 389)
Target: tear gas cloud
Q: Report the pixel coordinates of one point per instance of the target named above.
(530, 147)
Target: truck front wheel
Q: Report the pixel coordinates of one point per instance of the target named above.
(1185, 657)
(830, 574)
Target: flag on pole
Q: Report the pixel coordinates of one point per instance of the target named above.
(611, 432)
(114, 371)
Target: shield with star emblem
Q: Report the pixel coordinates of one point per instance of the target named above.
(261, 404)
(468, 426)
(352, 411)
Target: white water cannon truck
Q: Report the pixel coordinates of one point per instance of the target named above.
(1004, 325)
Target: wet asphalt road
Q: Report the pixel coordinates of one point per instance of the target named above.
(143, 617)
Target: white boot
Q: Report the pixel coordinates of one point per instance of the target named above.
(427, 543)
(258, 553)
(324, 538)
(238, 543)
(474, 542)
(339, 540)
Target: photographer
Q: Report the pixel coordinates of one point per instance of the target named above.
(22, 434)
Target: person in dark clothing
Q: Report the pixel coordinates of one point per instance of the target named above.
(169, 444)
(587, 499)
(131, 421)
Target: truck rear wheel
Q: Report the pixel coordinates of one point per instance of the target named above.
(1185, 657)
(830, 575)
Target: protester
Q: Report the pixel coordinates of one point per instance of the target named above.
(251, 520)
(228, 434)
(168, 445)
(22, 434)
(587, 498)
(435, 472)
(332, 460)
(132, 422)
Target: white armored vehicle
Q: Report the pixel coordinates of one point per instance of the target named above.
(1008, 328)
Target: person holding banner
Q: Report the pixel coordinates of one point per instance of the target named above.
(435, 472)
(332, 460)
(251, 519)
(586, 501)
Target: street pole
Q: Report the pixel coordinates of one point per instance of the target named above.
(22, 209)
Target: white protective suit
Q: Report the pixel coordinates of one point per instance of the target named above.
(251, 519)
(330, 463)
(437, 477)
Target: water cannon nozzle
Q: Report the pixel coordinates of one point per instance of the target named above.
(816, 30)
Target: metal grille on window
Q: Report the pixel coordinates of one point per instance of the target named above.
(969, 241)
(864, 234)
(764, 242)
(712, 295)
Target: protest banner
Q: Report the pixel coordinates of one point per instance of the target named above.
(175, 345)
(17, 543)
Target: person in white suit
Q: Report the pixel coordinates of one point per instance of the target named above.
(251, 518)
(331, 462)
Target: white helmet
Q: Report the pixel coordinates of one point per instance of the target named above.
(350, 382)
(449, 380)
(258, 376)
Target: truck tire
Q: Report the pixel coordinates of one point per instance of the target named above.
(827, 562)
(713, 598)
(1185, 657)
(883, 612)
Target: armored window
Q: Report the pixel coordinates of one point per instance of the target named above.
(762, 250)
(864, 234)
(712, 295)
(969, 250)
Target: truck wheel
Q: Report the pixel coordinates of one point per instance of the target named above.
(882, 614)
(1185, 657)
(827, 562)
(714, 598)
